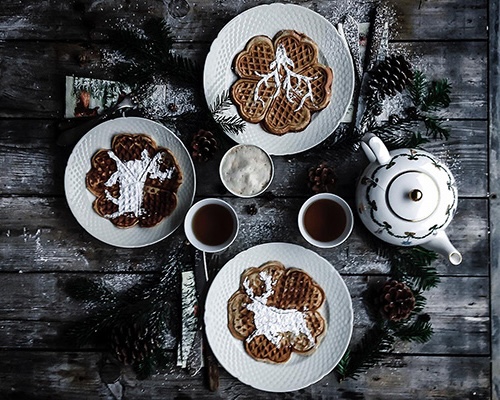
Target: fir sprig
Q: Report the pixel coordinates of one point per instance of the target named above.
(419, 331)
(149, 54)
(400, 134)
(379, 341)
(151, 305)
(428, 98)
(229, 124)
(414, 266)
(369, 351)
(417, 122)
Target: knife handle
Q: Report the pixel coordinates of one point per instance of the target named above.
(211, 367)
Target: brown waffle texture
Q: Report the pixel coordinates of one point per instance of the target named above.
(287, 296)
(280, 82)
(135, 181)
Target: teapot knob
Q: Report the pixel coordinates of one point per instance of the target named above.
(416, 195)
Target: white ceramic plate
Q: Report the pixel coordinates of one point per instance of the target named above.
(268, 20)
(299, 371)
(80, 199)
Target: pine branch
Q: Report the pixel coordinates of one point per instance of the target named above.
(414, 265)
(438, 96)
(221, 104)
(233, 124)
(418, 88)
(435, 128)
(149, 54)
(401, 134)
(419, 331)
(420, 302)
(373, 346)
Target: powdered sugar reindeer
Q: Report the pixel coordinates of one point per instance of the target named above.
(273, 322)
(132, 175)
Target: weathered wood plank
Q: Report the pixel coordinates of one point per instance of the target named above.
(201, 21)
(37, 312)
(42, 246)
(494, 182)
(446, 60)
(34, 165)
(74, 375)
(41, 235)
(26, 94)
(448, 19)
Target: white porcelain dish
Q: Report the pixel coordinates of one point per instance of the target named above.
(299, 371)
(268, 20)
(80, 199)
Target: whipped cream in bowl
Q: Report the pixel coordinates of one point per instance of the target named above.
(246, 170)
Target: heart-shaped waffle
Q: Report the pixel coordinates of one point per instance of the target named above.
(281, 83)
(135, 182)
(275, 312)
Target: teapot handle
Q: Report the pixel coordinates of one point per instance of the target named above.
(375, 149)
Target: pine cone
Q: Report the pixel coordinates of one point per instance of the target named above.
(204, 145)
(396, 301)
(390, 77)
(321, 178)
(133, 343)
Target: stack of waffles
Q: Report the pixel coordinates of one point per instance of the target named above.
(281, 82)
(275, 312)
(135, 182)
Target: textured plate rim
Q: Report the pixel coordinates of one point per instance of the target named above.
(108, 239)
(212, 329)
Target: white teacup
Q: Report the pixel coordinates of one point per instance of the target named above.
(211, 225)
(325, 220)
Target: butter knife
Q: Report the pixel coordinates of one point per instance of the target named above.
(209, 362)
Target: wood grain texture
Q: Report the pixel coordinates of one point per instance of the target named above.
(202, 20)
(41, 235)
(460, 303)
(75, 375)
(494, 187)
(42, 246)
(462, 63)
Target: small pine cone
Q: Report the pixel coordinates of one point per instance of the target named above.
(133, 343)
(390, 77)
(321, 178)
(204, 145)
(396, 301)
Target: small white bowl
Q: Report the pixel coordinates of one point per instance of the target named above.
(342, 236)
(246, 170)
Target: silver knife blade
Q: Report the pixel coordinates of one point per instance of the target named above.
(201, 345)
(195, 357)
(376, 51)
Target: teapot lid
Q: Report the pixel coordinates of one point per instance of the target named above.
(412, 196)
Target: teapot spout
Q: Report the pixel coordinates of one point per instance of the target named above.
(442, 245)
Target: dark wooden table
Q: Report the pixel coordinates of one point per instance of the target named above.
(42, 246)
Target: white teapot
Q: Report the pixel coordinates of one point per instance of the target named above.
(407, 197)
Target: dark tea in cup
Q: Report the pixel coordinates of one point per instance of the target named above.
(325, 220)
(211, 225)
